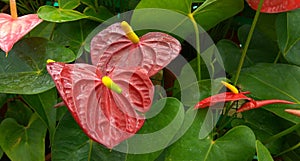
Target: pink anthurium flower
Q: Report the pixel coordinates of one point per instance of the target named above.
(275, 6)
(117, 45)
(13, 29)
(106, 98)
(104, 105)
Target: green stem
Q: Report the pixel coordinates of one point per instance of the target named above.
(248, 42)
(197, 45)
(289, 149)
(277, 57)
(283, 133)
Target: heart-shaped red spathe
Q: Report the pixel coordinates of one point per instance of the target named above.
(275, 6)
(12, 30)
(111, 48)
(104, 115)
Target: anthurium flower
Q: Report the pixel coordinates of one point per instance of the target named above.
(13, 29)
(109, 97)
(275, 6)
(119, 46)
(252, 104)
(106, 106)
(222, 97)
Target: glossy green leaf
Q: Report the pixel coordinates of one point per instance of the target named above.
(261, 47)
(68, 4)
(100, 14)
(44, 30)
(43, 105)
(70, 143)
(164, 120)
(52, 14)
(264, 125)
(24, 70)
(210, 13)
(288, 34)
(23, 143)
(231, 54)
(238, 144)
(17, 110)
(273, 81)
(263, 153)
(73, 34)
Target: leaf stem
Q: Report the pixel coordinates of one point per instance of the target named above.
(277, 57)
(283, 133)
(248, 42)
(191, 16)
(13, 9)
(289, 149)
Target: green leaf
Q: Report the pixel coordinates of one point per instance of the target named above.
(288, 34)
(231, 54)
(209, 14)
(273, 81)
(261, 47)
(71, 144)
(44, 30)
(164, 120)
(43, 105)
(68, 4)
(238, 144)
(23, 143)
(263, 153)
(101, 14)
(264, 125)
(52, 14)
(73, 34)
(18, 111)
(24, 70)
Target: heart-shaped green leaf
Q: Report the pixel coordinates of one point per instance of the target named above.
(238, 144)
(43, 104)
(264, 125)
(24, 143)
(24, 70)
(100, 14)
(73, 34)
(68, 4)
(19, 111)
(70, 143)
(207, 15)
(263, 153)
(273, 81)
(288, 34)
(53, 14)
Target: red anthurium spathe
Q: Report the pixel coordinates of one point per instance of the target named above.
(106, 114)
(107, 97)
(222, 97)
(252, 104)
(13, 29)
(117, 45)
(275, 6)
